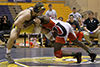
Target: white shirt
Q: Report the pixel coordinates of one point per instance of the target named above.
(52, 14)
(76, 15)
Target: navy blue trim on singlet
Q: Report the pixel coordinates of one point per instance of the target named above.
(64, 32)
(32, 17)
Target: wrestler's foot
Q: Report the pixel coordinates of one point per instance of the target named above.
(78, 56)
(9, 58)
(92, 56)
(6, 41)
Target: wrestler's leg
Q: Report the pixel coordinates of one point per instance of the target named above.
(73, 38)
(82, 45)
(90, 52)
(61, 53)
(13, 36)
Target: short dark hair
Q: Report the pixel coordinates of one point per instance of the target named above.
(74, 8)
(71, 15)
(49, 5)
(39, 4)
(90, 12)
(6, 16)
(61, 18)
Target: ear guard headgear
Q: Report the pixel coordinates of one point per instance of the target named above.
(38, 7)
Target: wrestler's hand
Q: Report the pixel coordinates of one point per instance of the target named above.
(37, 21)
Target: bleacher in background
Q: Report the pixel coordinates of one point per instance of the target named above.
(3, 0)
(20, 0)
(4, 10)
(45, 1)
(61, 10)
(14, 9)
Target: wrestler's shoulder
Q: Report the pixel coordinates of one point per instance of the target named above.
(25, 12)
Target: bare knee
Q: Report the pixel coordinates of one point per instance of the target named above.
(14, 34)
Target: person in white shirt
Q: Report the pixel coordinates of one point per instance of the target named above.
(51, 12)
(77, 16)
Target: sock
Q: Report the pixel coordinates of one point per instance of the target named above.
(8, 50)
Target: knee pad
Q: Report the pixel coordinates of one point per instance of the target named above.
(81, 33)
(58, 54)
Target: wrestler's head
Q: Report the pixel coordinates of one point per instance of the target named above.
(41, 12)
(37, 21)
(44, 18)
(38, 8)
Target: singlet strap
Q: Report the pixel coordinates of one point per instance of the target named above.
(30, 12)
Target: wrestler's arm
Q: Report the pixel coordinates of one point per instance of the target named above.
(44, 19)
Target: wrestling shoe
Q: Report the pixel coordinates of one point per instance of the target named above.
(78, 56)
(92, 56)
(9, 58)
